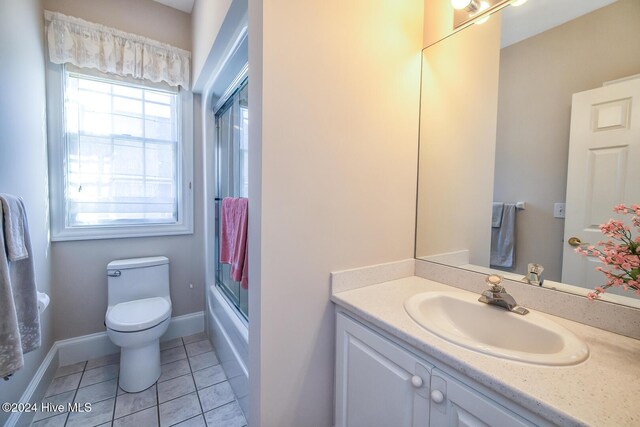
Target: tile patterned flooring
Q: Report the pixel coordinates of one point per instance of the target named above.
(192, 391)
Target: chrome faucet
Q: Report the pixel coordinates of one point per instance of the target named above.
(534, 274)
(497, 295)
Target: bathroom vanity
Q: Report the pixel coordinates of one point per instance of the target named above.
(390, 371)
(414, 345)
(382, 383)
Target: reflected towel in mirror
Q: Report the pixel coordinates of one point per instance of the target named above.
(503, 238)
(496, 214)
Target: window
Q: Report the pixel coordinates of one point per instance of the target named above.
(122, 162)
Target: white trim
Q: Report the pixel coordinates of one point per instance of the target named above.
(232, 32)
(226, 59)
(185, 325)
(87, 347)
(37, 386)
(235, 84)
(124, 79)
(622, 79)
(55, 134)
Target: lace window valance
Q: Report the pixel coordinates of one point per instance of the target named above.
(88, 45)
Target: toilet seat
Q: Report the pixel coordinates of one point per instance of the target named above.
(138, 315)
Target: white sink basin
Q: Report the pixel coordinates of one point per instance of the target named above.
(460, 318)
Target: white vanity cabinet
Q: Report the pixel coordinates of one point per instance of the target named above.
(381, 384)
(455, 404)
(377, 382)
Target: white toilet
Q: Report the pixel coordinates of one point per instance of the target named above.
(138, 314)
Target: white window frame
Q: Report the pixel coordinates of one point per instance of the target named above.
(60, 231)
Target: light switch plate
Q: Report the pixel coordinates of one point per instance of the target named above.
(558, 210)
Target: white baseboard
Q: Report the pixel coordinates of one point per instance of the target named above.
(87, 347)
(185, 325)
(78, 349)
(36, 388)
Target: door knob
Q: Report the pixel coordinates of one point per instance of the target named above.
(416, 381)
(437, 396)
(574, 241)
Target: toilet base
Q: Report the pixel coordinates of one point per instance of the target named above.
(139, 367)
(139, 356)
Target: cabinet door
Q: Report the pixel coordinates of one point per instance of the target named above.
(455, 404)
(378, 384)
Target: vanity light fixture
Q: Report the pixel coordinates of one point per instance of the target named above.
(518, 2)
(469, 5)
(467, 12)
(484, 6)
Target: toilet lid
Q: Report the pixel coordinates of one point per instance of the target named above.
(138, 315)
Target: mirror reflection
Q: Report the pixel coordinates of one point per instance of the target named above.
(528, 139)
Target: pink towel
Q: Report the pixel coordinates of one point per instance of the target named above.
(233, 237)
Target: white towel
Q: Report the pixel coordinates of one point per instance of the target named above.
(14, 227)
(19, 317)
(496, 214)
(503, 239)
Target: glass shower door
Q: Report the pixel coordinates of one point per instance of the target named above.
(232, 123)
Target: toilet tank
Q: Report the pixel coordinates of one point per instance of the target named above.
(137, 278)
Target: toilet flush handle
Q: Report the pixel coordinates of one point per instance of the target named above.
(114, 273)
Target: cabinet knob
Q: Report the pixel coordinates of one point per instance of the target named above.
(416, 381)
(437, 396)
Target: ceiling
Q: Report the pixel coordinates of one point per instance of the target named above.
(537, 16)
(183, 5)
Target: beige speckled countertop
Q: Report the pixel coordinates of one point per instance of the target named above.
(601, 391)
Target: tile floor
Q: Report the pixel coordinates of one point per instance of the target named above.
(191, 391)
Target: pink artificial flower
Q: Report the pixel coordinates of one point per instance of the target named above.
(621, 254)
(620, 208)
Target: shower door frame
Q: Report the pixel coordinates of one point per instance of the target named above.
(229, 103)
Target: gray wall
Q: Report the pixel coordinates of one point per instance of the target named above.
(144, 17)
(23, 153)
(534, 114)
(78, 268)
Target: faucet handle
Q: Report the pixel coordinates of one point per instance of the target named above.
(535, 268)
(494, 281)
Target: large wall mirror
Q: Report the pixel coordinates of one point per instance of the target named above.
(530, 135)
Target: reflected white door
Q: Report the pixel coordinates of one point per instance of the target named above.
(603, 171)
